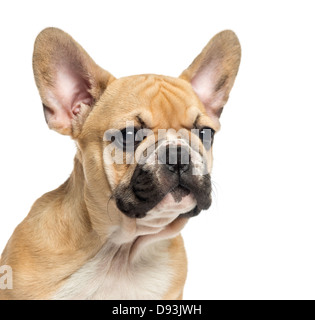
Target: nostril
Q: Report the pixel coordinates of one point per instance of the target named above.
(178, 168)
(177, 159)
(183, 168)
(172, 167)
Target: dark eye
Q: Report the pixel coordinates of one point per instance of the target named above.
(128, 139)
(206, 136)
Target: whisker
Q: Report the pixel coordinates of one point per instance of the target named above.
(214, 190)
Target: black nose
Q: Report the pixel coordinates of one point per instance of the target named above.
(177, 159)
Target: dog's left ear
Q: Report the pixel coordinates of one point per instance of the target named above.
(213, 72)
(68, 80)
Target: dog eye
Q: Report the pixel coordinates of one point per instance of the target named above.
(206, 136)
(128, 139)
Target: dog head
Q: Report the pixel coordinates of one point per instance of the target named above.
(145, 140)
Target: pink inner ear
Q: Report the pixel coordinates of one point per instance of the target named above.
(65, 98)
(204, 84)
(71, 90)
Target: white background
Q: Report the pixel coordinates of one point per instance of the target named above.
(257, 240)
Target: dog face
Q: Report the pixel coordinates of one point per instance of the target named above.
(147, 139)
(159, 149)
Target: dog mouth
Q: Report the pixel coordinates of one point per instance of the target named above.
(179, 192)
(180, 195)
(179, 199)
(162, 191)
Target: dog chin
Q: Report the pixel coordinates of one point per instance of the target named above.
(178, 201)
(166, 211)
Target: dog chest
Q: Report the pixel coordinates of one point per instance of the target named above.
(110, 275)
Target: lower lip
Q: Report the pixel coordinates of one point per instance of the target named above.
(169, 203)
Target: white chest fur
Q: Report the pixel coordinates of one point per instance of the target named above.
(110, 275)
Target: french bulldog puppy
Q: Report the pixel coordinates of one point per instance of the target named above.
(141, 171)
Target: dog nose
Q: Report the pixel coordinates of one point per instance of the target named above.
(177, 159)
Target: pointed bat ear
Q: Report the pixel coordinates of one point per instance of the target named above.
(213, 72)
(68, 80)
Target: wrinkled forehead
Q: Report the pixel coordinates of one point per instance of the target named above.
(155, 102)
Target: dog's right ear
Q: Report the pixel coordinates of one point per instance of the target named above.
(68, 80)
